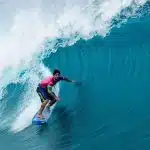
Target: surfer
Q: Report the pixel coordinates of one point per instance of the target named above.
(45, 92)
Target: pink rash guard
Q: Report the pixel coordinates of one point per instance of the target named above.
(51, 81)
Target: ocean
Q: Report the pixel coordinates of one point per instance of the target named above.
(103, 44)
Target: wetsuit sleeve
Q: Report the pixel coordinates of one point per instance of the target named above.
(65, 79)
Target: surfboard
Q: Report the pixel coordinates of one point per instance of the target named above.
(38, 121)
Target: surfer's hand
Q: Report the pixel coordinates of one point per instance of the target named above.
(73, 81)
(76, 82)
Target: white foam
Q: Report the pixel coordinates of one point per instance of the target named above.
(33, 22)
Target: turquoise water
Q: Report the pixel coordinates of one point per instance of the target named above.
(109, 110)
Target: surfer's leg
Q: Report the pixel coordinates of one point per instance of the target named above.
(42, 92)
(52, 100)
(42, 108)
(51, 103)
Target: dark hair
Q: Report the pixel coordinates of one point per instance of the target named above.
(56, 71)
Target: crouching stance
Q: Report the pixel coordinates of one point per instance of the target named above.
(45, 92)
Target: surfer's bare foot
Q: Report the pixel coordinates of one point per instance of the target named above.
(40, 116)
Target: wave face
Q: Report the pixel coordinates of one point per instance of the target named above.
(104, 45)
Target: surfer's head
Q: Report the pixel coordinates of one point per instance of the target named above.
(56, 73)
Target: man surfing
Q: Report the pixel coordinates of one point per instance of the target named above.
(45, 92)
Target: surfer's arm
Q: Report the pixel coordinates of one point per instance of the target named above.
(72, 81)
(68, 80)
(49, 89)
